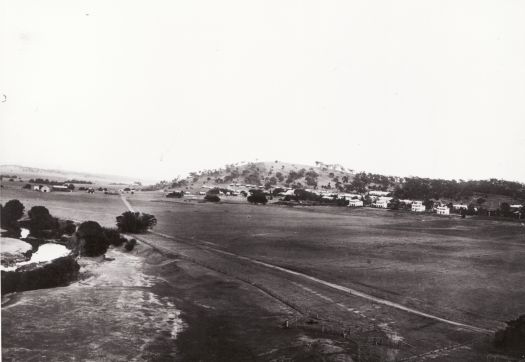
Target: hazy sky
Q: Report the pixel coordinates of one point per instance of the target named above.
(159, 88)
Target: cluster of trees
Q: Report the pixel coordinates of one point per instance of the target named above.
(10, 213)
(175, 194)
(135, 222)
(45, 181)
(426, 188)
(40, 222)
(257, 197)
(75, 181)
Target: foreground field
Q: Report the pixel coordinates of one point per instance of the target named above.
(463, 268)
(465, 271)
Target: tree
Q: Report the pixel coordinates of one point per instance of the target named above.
(27, 186)
(257, 198)
(505, 209)
(429, 204)
(135, 222)
(71, 187)
(41, 219)
(481, 201)
(11, 212)
(212, 198)
(394, 204)
(277, 191)
(93, 240)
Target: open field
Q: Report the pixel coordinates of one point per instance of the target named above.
(466, 271)
(463, 267)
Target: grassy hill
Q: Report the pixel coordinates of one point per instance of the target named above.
(26, 173)
(268, 175)
(336, 178)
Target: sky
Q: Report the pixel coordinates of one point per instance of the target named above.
(156, 89)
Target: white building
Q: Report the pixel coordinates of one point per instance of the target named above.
(378, 193)
(45, 189)
(355, 203)
(442, 210)
(382, 204)
(417, 206)
(459, 206)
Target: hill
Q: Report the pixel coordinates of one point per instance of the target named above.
(27, 173)
(336, 178)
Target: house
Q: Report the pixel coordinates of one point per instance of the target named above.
(37, 188)
(355, 203)
(381, 203)
(349, 196)
(378, 193)
(417, 206)
(459, 206)
(443, 210)
(45, 189)
(59, 188)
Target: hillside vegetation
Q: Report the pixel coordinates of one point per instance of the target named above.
(336, 178)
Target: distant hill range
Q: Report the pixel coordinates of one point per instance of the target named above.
(339, 179)
(27, 173)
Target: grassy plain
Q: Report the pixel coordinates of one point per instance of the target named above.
(466, 270)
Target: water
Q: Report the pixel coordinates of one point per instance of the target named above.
(45, 253)
(24, 232)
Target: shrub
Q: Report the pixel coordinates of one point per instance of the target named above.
(175, 194)
(130, 244)
(67, 227)
(113, 236)
(212, 198)
(135, 222)
(95, 241)
(40, 220)
(11, 212)
(27, 186)
(257, 198)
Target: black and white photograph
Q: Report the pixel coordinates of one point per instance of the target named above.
(262, 180)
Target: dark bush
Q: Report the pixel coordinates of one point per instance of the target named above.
(11, 212)
(130, 244)
(212, 198)
(41, 220)
(175, 194)
(135, 222)
(27, 186)
(277, 191)
(113, 237)
(93, 239)
(257, 198)
(67, 227)
(57, 273)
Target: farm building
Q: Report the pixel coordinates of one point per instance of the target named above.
(36, 188)
(443, 210)
(378, 193)
(459, 206)
(417, 206)
(381, 203)
(349, 196)
(58, 188)
(355, 203)
(45, 189)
